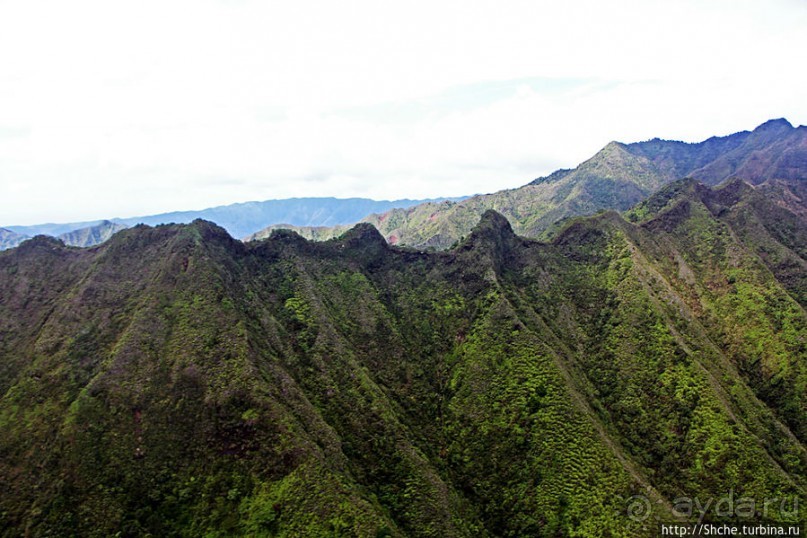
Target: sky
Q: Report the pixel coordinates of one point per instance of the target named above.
(117, 108)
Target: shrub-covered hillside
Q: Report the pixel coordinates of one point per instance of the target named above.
(176, 382)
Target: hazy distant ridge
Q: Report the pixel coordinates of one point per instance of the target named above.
(240, 220)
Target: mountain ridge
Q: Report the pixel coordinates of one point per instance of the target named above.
(617, 177)
(91, 235)
(187, 383)
(239, 219)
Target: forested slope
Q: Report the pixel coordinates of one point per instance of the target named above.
(174, 381)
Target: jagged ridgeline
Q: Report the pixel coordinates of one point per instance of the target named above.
(617, 177)
(176, 382)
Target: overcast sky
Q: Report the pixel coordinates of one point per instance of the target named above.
(112, 108)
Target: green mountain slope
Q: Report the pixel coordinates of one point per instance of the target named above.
(790, 194)
(176, 382)
(617, 177)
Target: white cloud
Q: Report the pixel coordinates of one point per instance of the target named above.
(123, 108)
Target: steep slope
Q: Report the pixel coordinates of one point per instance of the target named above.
(617, 177)
(790, 194)
(174, 381)
(750, 257)
(92, 235)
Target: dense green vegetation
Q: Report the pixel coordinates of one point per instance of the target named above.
(176, 382)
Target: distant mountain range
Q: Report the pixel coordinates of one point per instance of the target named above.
(239, 220)
(79, 237)
(91, 235)
(10, 239)
(617, 177)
